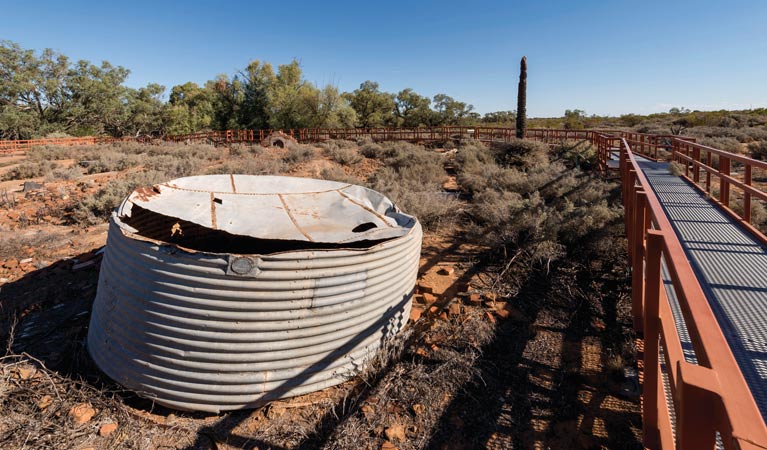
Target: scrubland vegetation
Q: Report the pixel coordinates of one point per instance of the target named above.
(544, 235)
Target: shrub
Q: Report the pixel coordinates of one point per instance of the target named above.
(722, 143)
(30, 169)
(335, 173)
(523, 153)
(342, 153)
(298, 154)
(422, 199)
(109, 160)
(97, 207)
(758, 150)
(250, 166)
(173, 166)
(70, 173)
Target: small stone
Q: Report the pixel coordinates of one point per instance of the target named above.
(107, 429)
(45, 402)
(415, 313)
(418, 409)
(388, 446)
(447, 270)
(455, 309)
(82, 413)
(475, 297)
(429, 298)
(395, 433)
(26, 372)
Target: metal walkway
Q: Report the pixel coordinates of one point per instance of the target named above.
(731, 267)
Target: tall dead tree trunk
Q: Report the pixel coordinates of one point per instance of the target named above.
(522, 99)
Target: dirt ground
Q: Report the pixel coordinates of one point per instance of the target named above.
(473, 369)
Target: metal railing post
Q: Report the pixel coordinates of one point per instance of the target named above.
(652, 382)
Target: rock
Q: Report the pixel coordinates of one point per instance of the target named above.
(388, 446)
(474, 297)
(26, 372)
(395, 433)
(418, 409)
(429, 298)
(45, 402)
(82, 413)
(31, 186)
(26, 261)
(455, 309)
(415, 313)
(107, 429)
(447, 270)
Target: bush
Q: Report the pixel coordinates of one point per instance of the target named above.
(341, 152)
(109, 160)
(335, 173)
(424, 200)
(70, 173)
(251, 166)
(412, 177)
(758, 150)
(727, 144)
(30, 169)
(96, 208)
(173, 166)
(298, 154)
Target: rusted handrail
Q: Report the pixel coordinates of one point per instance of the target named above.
(708, 397)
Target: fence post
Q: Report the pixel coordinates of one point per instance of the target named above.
(746, 194)
(724, 185)
(651, 384)
(637, 266)
(697, 407)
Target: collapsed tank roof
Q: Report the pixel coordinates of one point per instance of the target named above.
(274, 208)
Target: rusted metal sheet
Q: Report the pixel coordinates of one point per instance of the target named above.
(204, 330)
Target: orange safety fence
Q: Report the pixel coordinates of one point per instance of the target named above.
(708, 397)
(484, 134)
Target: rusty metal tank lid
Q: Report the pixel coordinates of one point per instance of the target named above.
(275, 208)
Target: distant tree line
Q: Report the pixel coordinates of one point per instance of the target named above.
(45, 94)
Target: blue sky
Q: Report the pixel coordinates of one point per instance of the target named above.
(605, 57)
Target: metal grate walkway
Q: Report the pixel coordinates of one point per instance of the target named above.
(731, 267)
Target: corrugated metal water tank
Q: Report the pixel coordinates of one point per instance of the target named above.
(223, 292)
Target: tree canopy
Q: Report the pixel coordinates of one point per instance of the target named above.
(44, 93)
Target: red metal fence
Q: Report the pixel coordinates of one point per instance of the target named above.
(708, 397)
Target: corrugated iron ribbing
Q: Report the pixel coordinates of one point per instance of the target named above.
(175, 327)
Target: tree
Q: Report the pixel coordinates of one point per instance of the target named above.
(449, 111)
(499, 117)
(333, 110)
(522, 99)
(412, 110)
(575, 119)
(226, 98)
(258, 81)
(189, 109)
(373, 107)
(98, 99)
(293, 102)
